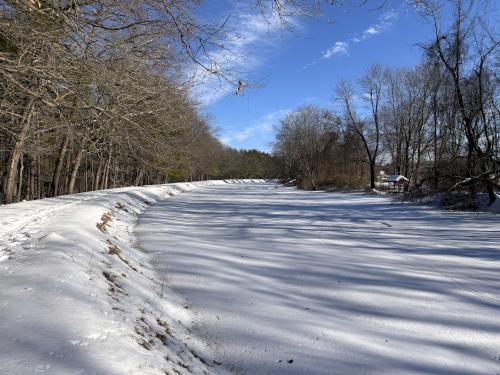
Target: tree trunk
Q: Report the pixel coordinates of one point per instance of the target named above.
(32, 193)
(20, 179)
(74, 171)
(488, 183)
(13, 161)
(65, 175)
(38, 179)
(138, 179)
(491, 192)
(106, 172)
(436, 159)
(372, 175)
(97, 176)
(58, 169)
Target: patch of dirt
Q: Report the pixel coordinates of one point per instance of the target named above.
(105, 219)
(115, 250)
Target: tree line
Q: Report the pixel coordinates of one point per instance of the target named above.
(95, 94)
(436, 123)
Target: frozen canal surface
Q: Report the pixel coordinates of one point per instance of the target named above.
(281, 281)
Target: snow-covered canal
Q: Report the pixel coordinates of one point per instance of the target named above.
(281, 281)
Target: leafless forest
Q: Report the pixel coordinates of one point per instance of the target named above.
(96, 94)
(436, 123)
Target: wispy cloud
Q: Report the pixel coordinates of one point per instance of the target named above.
(261, 131)
(371, 31)
(384, 23)
(339, 48)
(249, 37)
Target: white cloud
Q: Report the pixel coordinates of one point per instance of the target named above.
(389, 15)
(385, 21)
(248, 37)
(372, 30)
(340, 48)
(261, 130)
(225, 139)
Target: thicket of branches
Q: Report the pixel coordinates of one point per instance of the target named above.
(437, 124)
(94, 95)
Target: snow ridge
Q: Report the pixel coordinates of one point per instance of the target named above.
(78, 298)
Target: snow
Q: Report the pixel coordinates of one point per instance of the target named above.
(76, 299)
(245, 277)
(284, 281)
(396, 178)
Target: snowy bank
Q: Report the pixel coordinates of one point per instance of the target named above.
(291, 282)
(76, 297)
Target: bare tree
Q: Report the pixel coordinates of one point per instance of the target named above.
(466, 51)
(367, 131)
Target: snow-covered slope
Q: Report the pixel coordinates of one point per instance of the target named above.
(246, 279)
(76, 297)
(290, 282)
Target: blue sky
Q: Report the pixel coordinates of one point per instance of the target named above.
(304, 65)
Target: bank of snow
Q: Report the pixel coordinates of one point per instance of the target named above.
(76, 297)
(291, 282)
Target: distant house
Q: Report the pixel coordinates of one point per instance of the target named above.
(397, 183)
